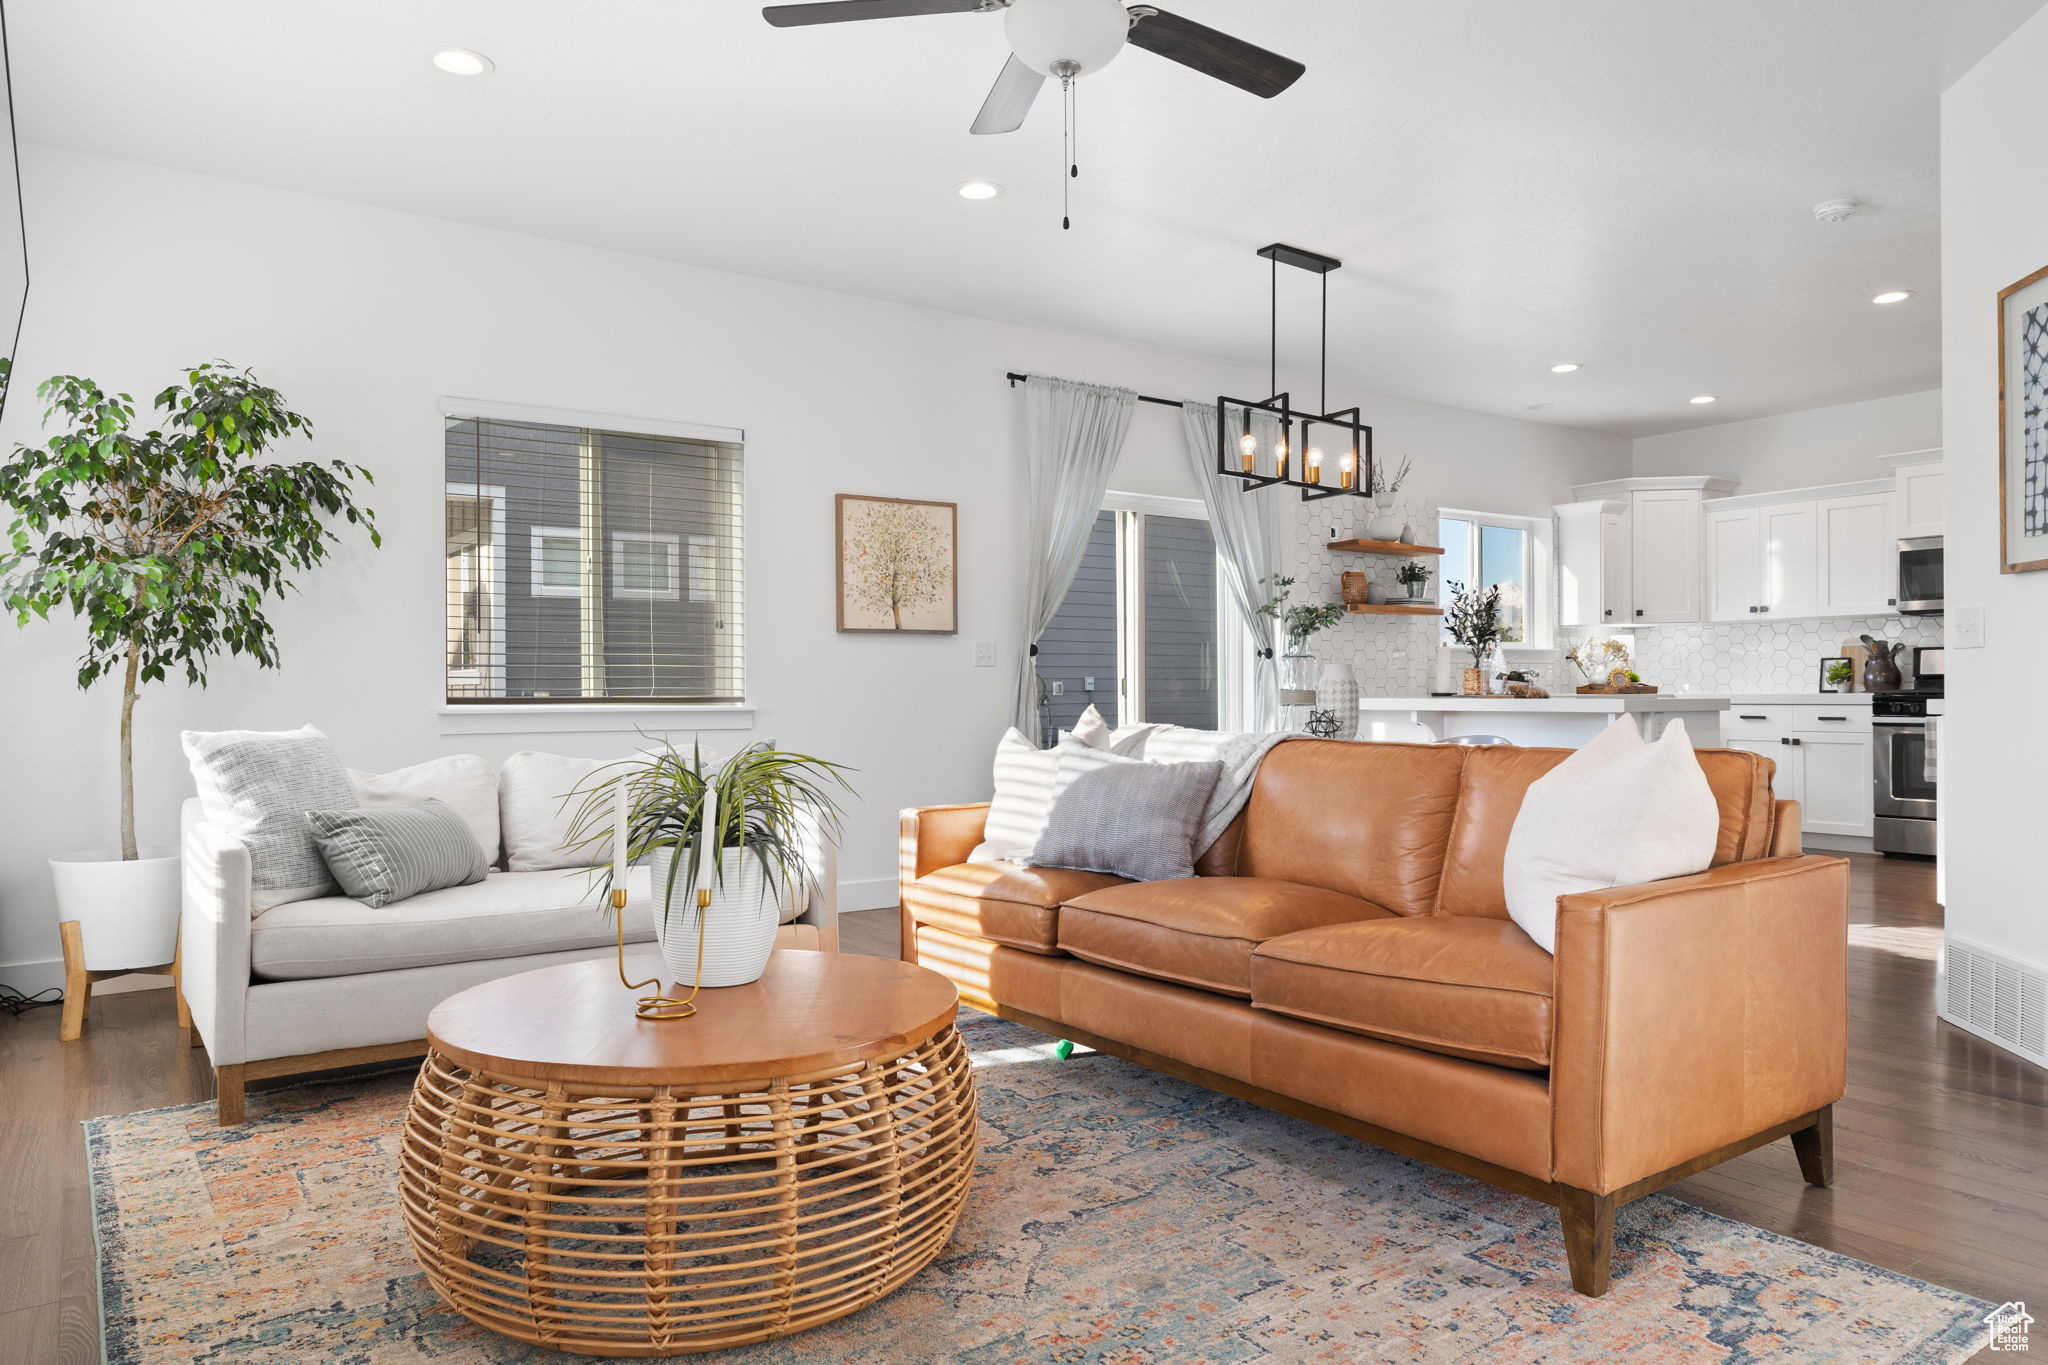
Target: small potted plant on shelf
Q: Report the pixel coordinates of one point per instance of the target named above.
(1414, 576)
(1838, 675)
(1473, 620)
(765, 808)
(1386, 483)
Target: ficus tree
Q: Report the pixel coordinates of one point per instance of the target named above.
(167, 544)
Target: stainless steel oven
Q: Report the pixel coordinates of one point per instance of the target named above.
(1904, 764)
(1920, 577)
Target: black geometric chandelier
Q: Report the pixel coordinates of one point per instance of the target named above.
(1318, 473)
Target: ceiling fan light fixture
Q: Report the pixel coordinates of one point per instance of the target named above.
(460, 61)
(1066, 37)
(978, 189)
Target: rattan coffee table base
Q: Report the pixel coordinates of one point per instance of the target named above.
(648, 1221)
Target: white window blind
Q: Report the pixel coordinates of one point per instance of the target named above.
(591, 566)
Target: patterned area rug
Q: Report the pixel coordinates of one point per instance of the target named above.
(1118, 1217)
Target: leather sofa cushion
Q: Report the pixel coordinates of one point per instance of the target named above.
(1365, 820)
(1490, 795)
(1464, 986)
(1000, 901)
(507, 914)
(1199, 931)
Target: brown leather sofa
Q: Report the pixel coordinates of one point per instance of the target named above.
(1345, 956)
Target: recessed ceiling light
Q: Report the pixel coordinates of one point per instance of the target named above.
(460, 61)
(1893, 296)
(1703, 398)
(1566, 368)
(977, 189)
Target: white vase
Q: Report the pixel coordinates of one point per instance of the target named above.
(127, 912)
(1385, 525)
(1337, 693)
(739, 928)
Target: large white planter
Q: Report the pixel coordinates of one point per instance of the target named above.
(127, 912)
(739, 929)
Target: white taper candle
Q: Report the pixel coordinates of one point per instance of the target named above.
(622, 835)
(707, 837)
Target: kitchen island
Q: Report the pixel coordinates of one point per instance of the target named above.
(1563, 722)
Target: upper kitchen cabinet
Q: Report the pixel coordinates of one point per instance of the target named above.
(1664, 531)
(1918, 477)
(1594, 565)
(1858, 552)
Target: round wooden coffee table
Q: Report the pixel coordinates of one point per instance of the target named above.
(579, 1179)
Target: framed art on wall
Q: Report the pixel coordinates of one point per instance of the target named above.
(2023, 424)
(898, 560)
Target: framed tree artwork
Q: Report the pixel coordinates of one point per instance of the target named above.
(2023, 424)
(898, 565)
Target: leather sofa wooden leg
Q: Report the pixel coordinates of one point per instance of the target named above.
(1815, 1148)
(227, 1089)
(1588, 1221)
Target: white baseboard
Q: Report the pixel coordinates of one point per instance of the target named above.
(1837, 843)
(878, 894)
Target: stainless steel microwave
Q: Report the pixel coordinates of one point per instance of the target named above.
(1920, 577)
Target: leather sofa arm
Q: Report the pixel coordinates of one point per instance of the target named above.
(1786, 831)
(213, 938)
(1696, 1012)
(937, 836)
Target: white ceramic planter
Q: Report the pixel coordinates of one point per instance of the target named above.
(739, 929)
(127, 912)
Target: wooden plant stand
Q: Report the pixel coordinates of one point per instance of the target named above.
(78, 982)
(581, 1180)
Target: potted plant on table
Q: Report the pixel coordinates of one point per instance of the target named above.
(1473, 619)
(167, 545)
(739, 829)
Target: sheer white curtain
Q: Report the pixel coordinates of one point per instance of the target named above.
(1072, 433)
(1239, 520)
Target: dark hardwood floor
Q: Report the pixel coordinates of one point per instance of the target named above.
(1941, 1148)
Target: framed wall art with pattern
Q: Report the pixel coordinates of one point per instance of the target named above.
(2023, 424)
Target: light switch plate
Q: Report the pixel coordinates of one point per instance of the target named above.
(1964, 628)
(985, 654)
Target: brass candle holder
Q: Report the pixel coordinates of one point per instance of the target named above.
(658, 1005)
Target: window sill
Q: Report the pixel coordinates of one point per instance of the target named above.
(581, 720)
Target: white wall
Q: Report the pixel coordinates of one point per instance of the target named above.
(1800, 449)
(364, 318)
(1994, 214)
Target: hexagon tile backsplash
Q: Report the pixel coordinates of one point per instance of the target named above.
(1766, 656)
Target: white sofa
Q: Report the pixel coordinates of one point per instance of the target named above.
(317, 984)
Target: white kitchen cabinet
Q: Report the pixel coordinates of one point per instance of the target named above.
(1665, 543)
(1593, 563)
(1919, 487)
(1835, 781)
(1761, 561)
(1857, 555)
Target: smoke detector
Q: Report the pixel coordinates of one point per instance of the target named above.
(1835, 210)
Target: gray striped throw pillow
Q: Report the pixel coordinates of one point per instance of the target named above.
(390, 853)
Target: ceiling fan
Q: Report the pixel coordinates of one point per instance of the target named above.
(1069, 38)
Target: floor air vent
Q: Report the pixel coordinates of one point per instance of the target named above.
(1996, 997)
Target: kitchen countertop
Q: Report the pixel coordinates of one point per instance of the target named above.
(1575, 704)
(1801, 698)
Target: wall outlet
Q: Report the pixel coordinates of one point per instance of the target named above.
(985, 654)
(1059, 689)
(1964, 628)
(1088, 682)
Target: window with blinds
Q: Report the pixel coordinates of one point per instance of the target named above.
(591, 566)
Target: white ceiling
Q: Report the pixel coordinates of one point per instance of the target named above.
(1623, 183)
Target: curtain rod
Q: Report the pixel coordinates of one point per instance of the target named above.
(1016, 379)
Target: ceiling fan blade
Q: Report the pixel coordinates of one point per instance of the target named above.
(1009, 100)
(840, 11)
(1242, 64)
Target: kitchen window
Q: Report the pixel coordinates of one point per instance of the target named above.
(1147, 631)
(1482, 549)
(591, 565)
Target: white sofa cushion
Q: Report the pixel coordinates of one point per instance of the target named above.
(257, 785)
(507, 914)
(1617, 812)
(536, 807)
(465, 783)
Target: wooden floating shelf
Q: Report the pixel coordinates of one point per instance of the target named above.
(1384, 547)
(1390, 609)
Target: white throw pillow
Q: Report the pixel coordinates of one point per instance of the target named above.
(536, 807)
(465, 783)
(257, 785)
(1091, 729)
(1618, 812)
(1024, 776)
